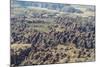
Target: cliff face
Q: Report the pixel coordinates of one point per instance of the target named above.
(52, 6)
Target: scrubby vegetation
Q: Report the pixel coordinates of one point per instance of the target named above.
(47, 37)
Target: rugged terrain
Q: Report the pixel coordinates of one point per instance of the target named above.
(47, 36)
